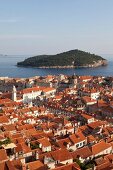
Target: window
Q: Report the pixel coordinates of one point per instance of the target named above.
(80, 144)
(77, 145)
(84, 143)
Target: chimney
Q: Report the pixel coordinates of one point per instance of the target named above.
(36, 155)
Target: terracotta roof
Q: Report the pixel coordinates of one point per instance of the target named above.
(84, 153)
(57, 155)
(86, 116)
(18, 140)
(105, 166)
(99, 147)
(73, 166)
(36, 165)
(35, 89)
(99, 160)
(90, 139)
(63, 142)
(95, 124)
(6, 166)
(88, 99)
(3, 166)
(3, 155)
(22, 147)
(109, 157)
(85, 77)
(10, 127)
(61, 155)
(6, 100)
(44, 141)
(16, 164)
(4, 119)
(47, 89)
(30, 90)
(78, 137)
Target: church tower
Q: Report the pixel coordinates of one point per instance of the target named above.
(74, 80)
(14, 93)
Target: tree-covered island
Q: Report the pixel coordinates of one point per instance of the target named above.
(69, 59)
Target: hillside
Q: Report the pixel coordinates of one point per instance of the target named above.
(73, 58)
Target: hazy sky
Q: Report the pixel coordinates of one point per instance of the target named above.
(52, 26)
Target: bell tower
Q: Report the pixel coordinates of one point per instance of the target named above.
(14, 93)
(74, 80)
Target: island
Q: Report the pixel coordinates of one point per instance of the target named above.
(70, 59)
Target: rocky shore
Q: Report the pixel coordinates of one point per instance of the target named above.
(96, 64)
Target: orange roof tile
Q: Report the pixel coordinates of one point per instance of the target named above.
(35, 165)
(84, 153)
(99, 147)
(44, 141)
(61, 155)
(78, 137)
(3, 155)
(73, 166)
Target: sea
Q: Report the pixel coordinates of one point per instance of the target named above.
(8, 68)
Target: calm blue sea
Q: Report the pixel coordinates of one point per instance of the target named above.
(8, 68)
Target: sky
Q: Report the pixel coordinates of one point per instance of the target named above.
(53, 26)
